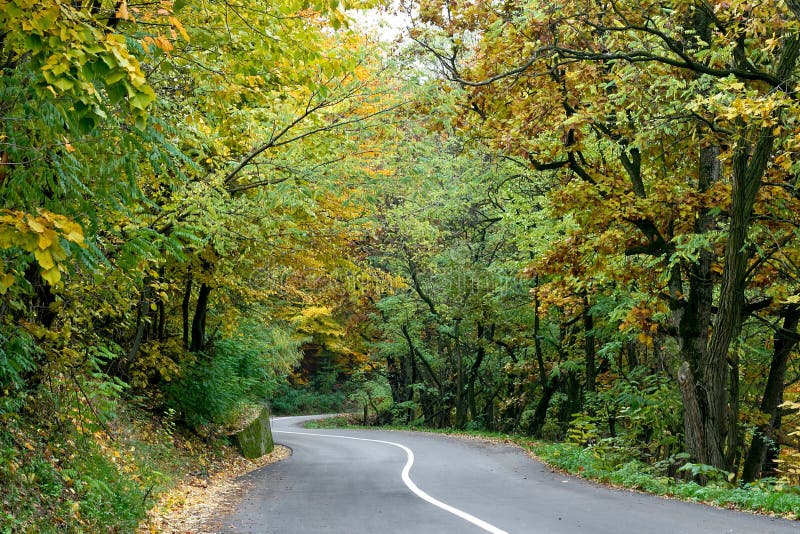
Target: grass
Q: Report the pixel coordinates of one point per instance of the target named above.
(65, 476)
(64, 482)
(766, 496)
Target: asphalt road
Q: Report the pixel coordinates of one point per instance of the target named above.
(385, 482)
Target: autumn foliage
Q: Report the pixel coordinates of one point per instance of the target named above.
(574, 220)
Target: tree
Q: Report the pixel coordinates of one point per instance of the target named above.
(625, 85)
(162, 156)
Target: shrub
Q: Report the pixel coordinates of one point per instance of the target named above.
(241, 370)
(17, 359)
(305, 400)
(790, 455)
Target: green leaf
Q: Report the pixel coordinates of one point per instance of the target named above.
(52, 276)
(142, 99)
(114, 76)
(65, 84)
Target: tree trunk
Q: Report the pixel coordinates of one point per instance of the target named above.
(574, 402)
(632, 357)
(42, 297)
(589, 346)
(537, 338)
(426, 402)
(142, 314)
(540, 413)
(411, 375)
(199, 320)
(394, 377)
(748, 168)
(733, 447)
(692, 418)
(786, 338)
(187, 297)
(750, 161)
(461, 405)
(473, 374)
(693, 318)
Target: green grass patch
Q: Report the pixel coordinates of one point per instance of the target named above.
(61, 477)
(64, 483)
(767, 496)
(337, 421)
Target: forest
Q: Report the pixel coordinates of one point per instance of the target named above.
(568, 220)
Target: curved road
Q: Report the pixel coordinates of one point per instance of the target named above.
(384, 482)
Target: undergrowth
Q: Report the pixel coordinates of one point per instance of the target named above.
(766, 495)
(294, 400)
(70, 475)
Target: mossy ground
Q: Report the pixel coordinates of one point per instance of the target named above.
(66, 474)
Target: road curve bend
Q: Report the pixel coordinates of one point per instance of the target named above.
(386, 482)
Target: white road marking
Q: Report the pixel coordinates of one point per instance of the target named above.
(410, 483)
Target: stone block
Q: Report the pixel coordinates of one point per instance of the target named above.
(255, 440)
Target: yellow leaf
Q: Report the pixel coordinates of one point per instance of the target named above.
(178, 26)
(71, 231)
(6, 281)
(51, 276)
(7, 237)
(44, 258)
(35, 225)
(57, 253)
(161, 42)
(46, 238)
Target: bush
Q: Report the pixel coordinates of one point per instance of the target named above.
(17, 359)
(305, 400)
(213, 389)
(765, 495)
(241, 370)
(60, 472)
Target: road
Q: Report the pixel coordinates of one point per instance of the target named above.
(387, 482)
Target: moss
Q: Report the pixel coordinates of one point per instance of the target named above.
(256, 439)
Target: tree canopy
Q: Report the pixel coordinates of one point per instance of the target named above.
(574, 220)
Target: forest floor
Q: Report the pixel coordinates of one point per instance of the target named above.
(131, 470)
(190, 506)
